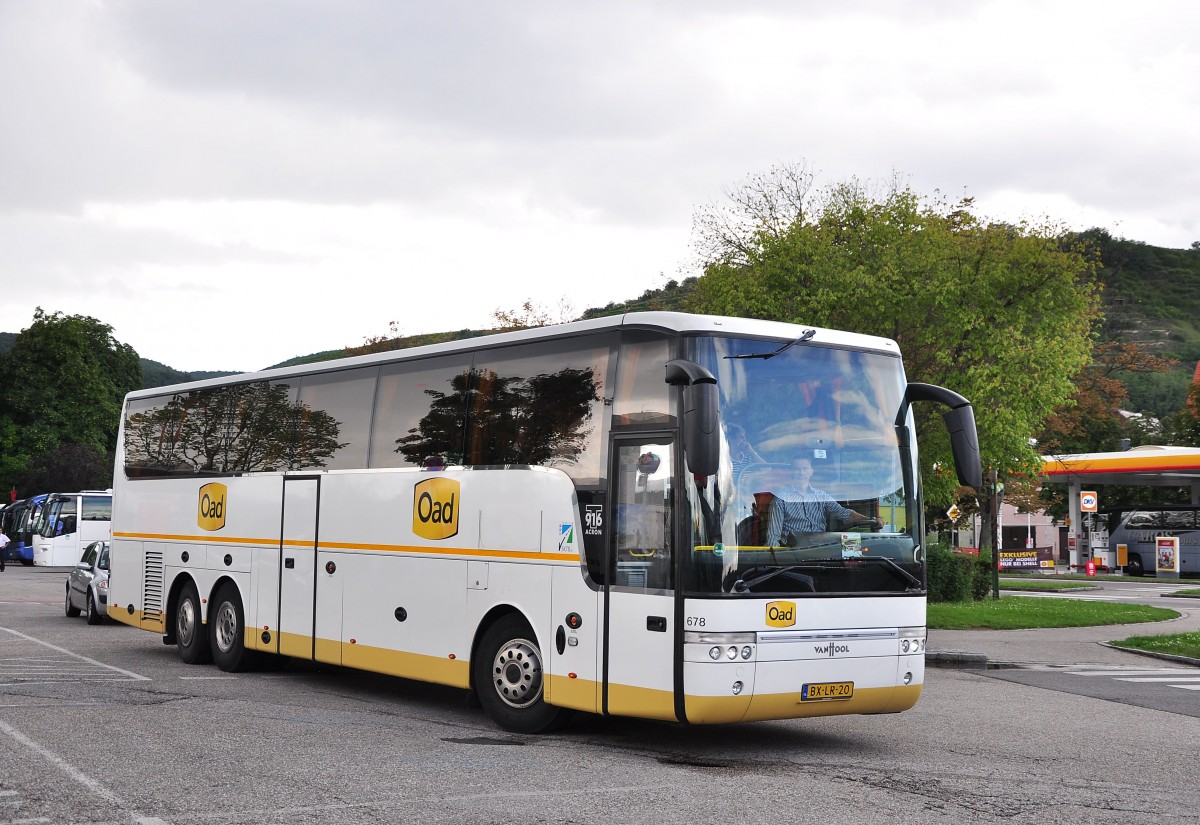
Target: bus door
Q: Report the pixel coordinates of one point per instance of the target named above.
(298, 570)
(639, 637)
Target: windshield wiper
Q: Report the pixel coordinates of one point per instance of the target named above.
(742, 585)
(897, 569)
(805, 336)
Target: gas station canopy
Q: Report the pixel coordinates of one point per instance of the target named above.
(1145, 466)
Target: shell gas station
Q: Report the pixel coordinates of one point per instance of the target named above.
(1087, 473)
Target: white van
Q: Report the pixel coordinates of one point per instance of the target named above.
(68, 523)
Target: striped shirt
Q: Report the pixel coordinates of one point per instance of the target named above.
(793, 511)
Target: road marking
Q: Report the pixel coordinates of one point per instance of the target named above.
(1175, 677)
(56, 669)
(79, 776)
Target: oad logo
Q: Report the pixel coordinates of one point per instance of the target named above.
(211, 513)
(781, 614)
(435, 508)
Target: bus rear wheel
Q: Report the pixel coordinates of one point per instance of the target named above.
(1134, 568)
(510, 679)
(190, 634)
(227, 626)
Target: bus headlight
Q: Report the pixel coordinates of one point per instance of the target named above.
(912, 640)
(724, 645)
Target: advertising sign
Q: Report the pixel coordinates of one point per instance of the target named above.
(1166, 556)
(1088, 501)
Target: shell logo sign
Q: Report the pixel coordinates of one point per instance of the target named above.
(210, 514)
(436, 504)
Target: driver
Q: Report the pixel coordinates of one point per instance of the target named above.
(802, 508)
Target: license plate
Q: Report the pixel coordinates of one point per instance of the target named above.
(824, 691)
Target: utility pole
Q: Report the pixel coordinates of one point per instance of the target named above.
(997, 502)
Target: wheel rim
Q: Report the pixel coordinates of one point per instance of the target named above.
(226, 627)
(185, 624)
(87, 606)
(517, 673)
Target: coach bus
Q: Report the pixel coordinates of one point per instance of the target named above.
(1133, 532)
(552, 518)
(69, 522)
(19, 520)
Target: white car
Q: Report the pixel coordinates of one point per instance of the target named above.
(87, 586)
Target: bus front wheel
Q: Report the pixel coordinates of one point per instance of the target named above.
(510, 679)
(227, 626)
(190, 634)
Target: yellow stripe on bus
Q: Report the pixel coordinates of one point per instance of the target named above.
(341, 545)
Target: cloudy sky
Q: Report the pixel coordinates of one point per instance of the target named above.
(229, 184)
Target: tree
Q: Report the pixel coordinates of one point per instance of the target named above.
(63, 383)
(1001, 313)
(530, 315)
(1091, 421)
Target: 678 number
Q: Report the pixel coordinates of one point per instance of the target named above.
(695, 621)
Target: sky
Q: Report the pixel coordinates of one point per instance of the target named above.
(231, 183)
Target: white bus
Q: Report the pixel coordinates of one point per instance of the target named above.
(69, 522)
(553, 518)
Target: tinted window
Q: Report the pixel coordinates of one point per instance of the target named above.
(419, 409)
(230, 429)
(642, 396)
(1179, 519)
(540, 404)
(333, 419)
(97, 508)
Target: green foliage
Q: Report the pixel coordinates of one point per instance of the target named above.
(1174, 644)
(155, 374)
(955, 577)
(62, 385)
(1016, 612)
(1003, 314)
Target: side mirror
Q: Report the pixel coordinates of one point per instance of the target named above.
(701, 415)
(960, 421)
(83, 565)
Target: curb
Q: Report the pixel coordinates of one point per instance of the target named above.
(1170, 657)
(956, 659)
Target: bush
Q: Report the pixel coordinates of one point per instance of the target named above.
(957, 577)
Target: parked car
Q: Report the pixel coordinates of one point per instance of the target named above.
(87, 586)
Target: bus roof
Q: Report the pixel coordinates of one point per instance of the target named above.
(673, 322)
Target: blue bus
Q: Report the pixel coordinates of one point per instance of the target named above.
(18, 521)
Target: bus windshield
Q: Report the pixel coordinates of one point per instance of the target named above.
(812, 495)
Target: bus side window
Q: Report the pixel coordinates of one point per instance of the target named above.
(642, 530)
(1179, 519)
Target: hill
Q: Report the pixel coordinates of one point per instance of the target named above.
(1151, 296)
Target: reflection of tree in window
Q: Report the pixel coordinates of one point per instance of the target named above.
(241, 428)
(540, 420)
(440, 430)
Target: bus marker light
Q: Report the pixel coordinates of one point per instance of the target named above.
(908, 678)
(452, 656)
(715, 653)
(572, 676)
(352, 641)
(737, 688)
(732, 652)
(746, 651)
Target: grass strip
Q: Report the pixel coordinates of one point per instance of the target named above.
(1176, 644)
(1021, 612)
(1042, 585)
